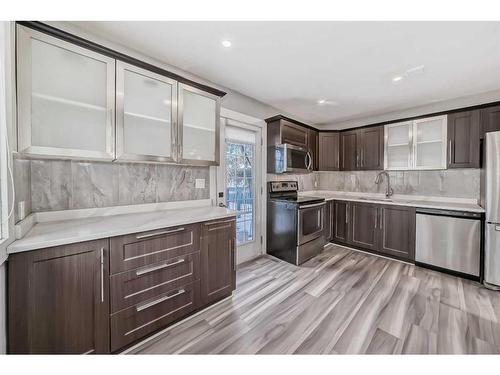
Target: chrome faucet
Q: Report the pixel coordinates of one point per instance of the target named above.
(380, 178)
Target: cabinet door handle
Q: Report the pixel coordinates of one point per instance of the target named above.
(155, 268)
(159, 300)
(376, 218)
(159, 233)
(102, 274)
(380, 218)
(233, 253)
(347, 213)
(449, 151)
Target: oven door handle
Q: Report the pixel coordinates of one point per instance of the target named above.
(312, 205)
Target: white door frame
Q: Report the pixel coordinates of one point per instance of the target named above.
(258, 125)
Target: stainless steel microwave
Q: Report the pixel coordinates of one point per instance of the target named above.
(287, 158)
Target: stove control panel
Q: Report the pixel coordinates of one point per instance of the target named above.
(277, 186)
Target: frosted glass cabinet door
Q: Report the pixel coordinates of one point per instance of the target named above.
(398, 146)
(198, 119)
(430, 142)
(66, 98)
(145, 114)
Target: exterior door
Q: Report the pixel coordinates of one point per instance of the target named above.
(239, 184)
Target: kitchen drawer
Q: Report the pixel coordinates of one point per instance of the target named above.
(132, 287)
(142, 249)
(137, 321)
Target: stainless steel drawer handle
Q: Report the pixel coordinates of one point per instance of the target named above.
(159, 233)
(161, 266)
(497, 228)
(159, 300)
(219, 222)
(312, 205)
(221, 227)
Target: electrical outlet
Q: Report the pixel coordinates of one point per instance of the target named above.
(199, 183)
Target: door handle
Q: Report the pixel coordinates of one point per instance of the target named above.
(449, 150)
(347, 213)
(376, 218)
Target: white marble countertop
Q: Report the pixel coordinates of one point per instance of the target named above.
(56, 233)
(458, 204)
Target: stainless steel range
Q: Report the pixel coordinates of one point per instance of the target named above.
(294, 224)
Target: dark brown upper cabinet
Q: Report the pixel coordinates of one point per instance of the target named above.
(490, 120)
(463, 139)
(371, 148)
(280, 130)
(59, 300)
(329, 151)
(218, 262)
(362, 149)
(313, 147)
(349, 150)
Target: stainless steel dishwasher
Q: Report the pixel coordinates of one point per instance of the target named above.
(449, 240)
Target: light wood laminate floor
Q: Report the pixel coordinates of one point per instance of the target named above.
(340, 302)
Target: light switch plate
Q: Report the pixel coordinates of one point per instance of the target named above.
(199, 183)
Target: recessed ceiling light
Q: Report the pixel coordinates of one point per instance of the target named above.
(321, 101)
(226, 43)
(326, 102)
(397, 78)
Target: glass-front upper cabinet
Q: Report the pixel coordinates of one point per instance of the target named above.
(430, 142)
(146, 105)
(198, 121)
(398, 146)
(417, 144)
(66, 98)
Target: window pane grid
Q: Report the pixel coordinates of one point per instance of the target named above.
(240, 185)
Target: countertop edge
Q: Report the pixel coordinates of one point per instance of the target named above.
(417, 204)
(19, 248)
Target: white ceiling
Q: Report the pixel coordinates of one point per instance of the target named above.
(290, 65)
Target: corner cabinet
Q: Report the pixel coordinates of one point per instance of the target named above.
(59, 300)
(66, 98)
(69, 96)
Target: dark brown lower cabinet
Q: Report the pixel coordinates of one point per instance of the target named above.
(59, 299)
(364, 225)
(397, 231)
(341, 211)
(384, 229)
(329, 220)
(65, 299)
(218, 260)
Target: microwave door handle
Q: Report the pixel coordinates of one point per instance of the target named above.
(308, 165)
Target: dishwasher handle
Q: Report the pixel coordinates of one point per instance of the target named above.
(450, 213)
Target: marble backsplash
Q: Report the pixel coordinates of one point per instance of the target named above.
(48, 185)
(452, 183)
